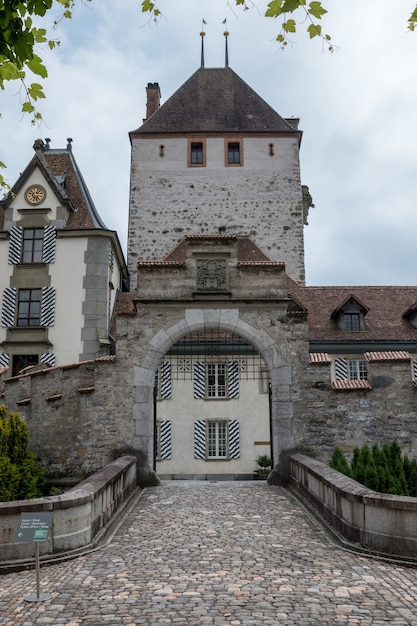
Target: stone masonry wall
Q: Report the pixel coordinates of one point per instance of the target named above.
(263, 199)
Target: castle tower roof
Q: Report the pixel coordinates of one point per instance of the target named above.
(216, 100)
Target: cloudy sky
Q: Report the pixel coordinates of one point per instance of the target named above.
(358, 109)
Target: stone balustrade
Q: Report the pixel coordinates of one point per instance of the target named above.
(78, 514)
(380, 522)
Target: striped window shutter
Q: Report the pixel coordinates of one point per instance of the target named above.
(15, 245)
(233, 379)
(48, 249)
(341, 370)
(4, 360)
(165, 443)
(200, 439)
(234, 440)
(199, 379)
(415, 368)
(8, 312)
(166, 386)
(48, 306)
(48, 357)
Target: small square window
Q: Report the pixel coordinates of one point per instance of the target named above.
(357, 369)
(32, 245)
(20, 361)
(352, 321)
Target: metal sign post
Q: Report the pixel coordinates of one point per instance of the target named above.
(34, 527)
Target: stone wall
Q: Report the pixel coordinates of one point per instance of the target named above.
(262, 199)
(376, 521)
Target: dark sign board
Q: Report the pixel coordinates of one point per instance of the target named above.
(34, 527)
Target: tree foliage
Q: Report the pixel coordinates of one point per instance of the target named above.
(381, 469)
(21, 477)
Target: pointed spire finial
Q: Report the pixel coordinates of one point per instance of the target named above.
(202, 35)
(226, 34)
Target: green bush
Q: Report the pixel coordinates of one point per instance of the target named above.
(381, 469)
(21, 477)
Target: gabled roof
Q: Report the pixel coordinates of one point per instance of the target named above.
(61, 171)
(248, 252)
(350, 300)
(216, 100)
(384, 321)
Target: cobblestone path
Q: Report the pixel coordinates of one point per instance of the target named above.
(221, 554)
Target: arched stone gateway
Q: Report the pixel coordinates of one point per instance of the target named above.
(250, 323)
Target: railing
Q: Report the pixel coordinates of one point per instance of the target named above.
(381, 522)
(78, 515)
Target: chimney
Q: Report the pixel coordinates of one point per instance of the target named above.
(153, 98)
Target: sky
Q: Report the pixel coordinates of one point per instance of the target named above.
(357, 108)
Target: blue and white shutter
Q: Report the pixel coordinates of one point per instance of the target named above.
(199, 379)
(8, 312)
(233, 379)
(15, 245)
(48, 357)
(234, 439)
(165, 442)
(48, 248)
(200, 439)
(48, 306)
(4, 360)
(165, 377)
(341, 369)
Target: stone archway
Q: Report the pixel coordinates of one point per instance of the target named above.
(227, 319)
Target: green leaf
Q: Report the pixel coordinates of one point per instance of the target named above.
(148, 6)
(37, 67)
(274, 8)
(314, 30)
(316, 10)
(27, 107)
(35, 91)
(39, 35)
(289, 26)
(10, 71)
(290, 6)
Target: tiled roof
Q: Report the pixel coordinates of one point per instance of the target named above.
(62, 163)
(350, 385)
(59, 165)
(388, 355)
(248, 252)
(320, 358)
(384, 320)
(125, 304)
(216, 100)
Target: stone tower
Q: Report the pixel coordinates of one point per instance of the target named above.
(215, 158)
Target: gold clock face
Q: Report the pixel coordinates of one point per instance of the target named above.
(35, 194)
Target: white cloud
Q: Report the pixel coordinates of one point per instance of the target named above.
(357, 109)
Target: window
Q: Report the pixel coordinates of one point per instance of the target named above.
(29, 307)
(352, 321)
(197, 153)
(20, 361)
(32, 245)
(357, 370)
(217, 439)
(216, 380)
(233, 153)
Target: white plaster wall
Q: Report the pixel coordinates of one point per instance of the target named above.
(251, 409)
(50, 202)
(5, 275)
(263, 198)
(67, 275)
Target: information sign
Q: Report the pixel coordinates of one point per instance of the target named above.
(33, 527)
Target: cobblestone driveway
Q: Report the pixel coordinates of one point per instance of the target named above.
(220, 554)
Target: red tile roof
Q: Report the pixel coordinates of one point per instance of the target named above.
(389, 355)
(350, 385)
(384, 320)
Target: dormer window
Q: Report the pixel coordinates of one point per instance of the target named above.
(411, 315)
(350, 316)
